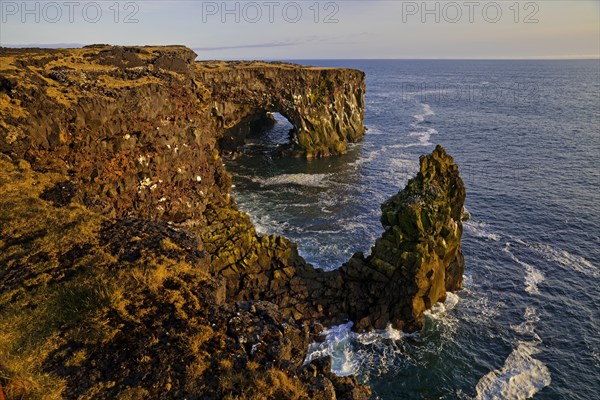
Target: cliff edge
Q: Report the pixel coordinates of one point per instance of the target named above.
(127, 270)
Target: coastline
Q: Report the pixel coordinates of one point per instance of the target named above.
(118, 208)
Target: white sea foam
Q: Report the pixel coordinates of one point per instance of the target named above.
(533, 276)
(351, 352)
(439, 310)
(596, 357)
(441, 321)
(312, 180)
(399, 171)
(404, 164)
(481, 230)
(423, 138)
(521, 377)
(378, 351)
(422, 133)
(566, 259)
(527, 327)
(353, 225)
(336, 345)
(484, 310)
(265, 225)
(372, 155)
(426, 112)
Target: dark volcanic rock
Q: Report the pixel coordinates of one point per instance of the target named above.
(325, 105)
(413, 264)
(61, 194)
(127, 269)
(420, 250)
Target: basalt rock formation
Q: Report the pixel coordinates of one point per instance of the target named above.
(325, 106)
(127, 270)
(413, 264)
(416, 260)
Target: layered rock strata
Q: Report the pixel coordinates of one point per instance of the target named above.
(120, 243)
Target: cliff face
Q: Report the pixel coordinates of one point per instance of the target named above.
(127, 125)
(137, 128)
(325, 106)
(412, 266)
(120, 244)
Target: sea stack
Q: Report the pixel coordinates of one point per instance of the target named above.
(420, 250)
(414, 263)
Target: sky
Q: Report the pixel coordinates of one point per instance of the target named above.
(310, 29)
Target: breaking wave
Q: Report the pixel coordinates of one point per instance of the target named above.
(480, 230)
(381, 351)
(312, 180)
(521, 376)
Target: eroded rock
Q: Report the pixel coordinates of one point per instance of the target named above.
(325, 105)
(117, 199)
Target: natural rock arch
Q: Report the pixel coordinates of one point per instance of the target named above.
(325, 106)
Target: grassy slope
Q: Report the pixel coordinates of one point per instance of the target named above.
(66, 301)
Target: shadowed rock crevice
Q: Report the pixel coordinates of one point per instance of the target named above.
(234, 138)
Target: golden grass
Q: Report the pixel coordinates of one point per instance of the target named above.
(217, 66)
(196, 340)
(73, 58)
(24, 214)
(33, 312)
(11, 107)
(110, 82)
(270, 384)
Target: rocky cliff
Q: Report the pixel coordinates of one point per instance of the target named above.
(413, 264)
(127, 270)
(324, 105)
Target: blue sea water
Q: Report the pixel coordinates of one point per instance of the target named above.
(526, 136)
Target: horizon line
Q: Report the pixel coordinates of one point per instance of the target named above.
(409, 58)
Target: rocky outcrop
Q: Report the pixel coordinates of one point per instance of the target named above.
(138, 127)
(98, 309)
(120, 243)
(325, 106)
(417, 259)
(413, 264)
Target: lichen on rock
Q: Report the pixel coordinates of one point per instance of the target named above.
(421, 245)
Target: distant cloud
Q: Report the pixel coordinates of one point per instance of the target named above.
(249, 46)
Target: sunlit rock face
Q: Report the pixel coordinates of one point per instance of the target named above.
(420, 250)
(324, 105)
(115, 197)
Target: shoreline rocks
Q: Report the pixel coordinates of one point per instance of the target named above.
(127, 269)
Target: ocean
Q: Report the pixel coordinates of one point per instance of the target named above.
(526, 137)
